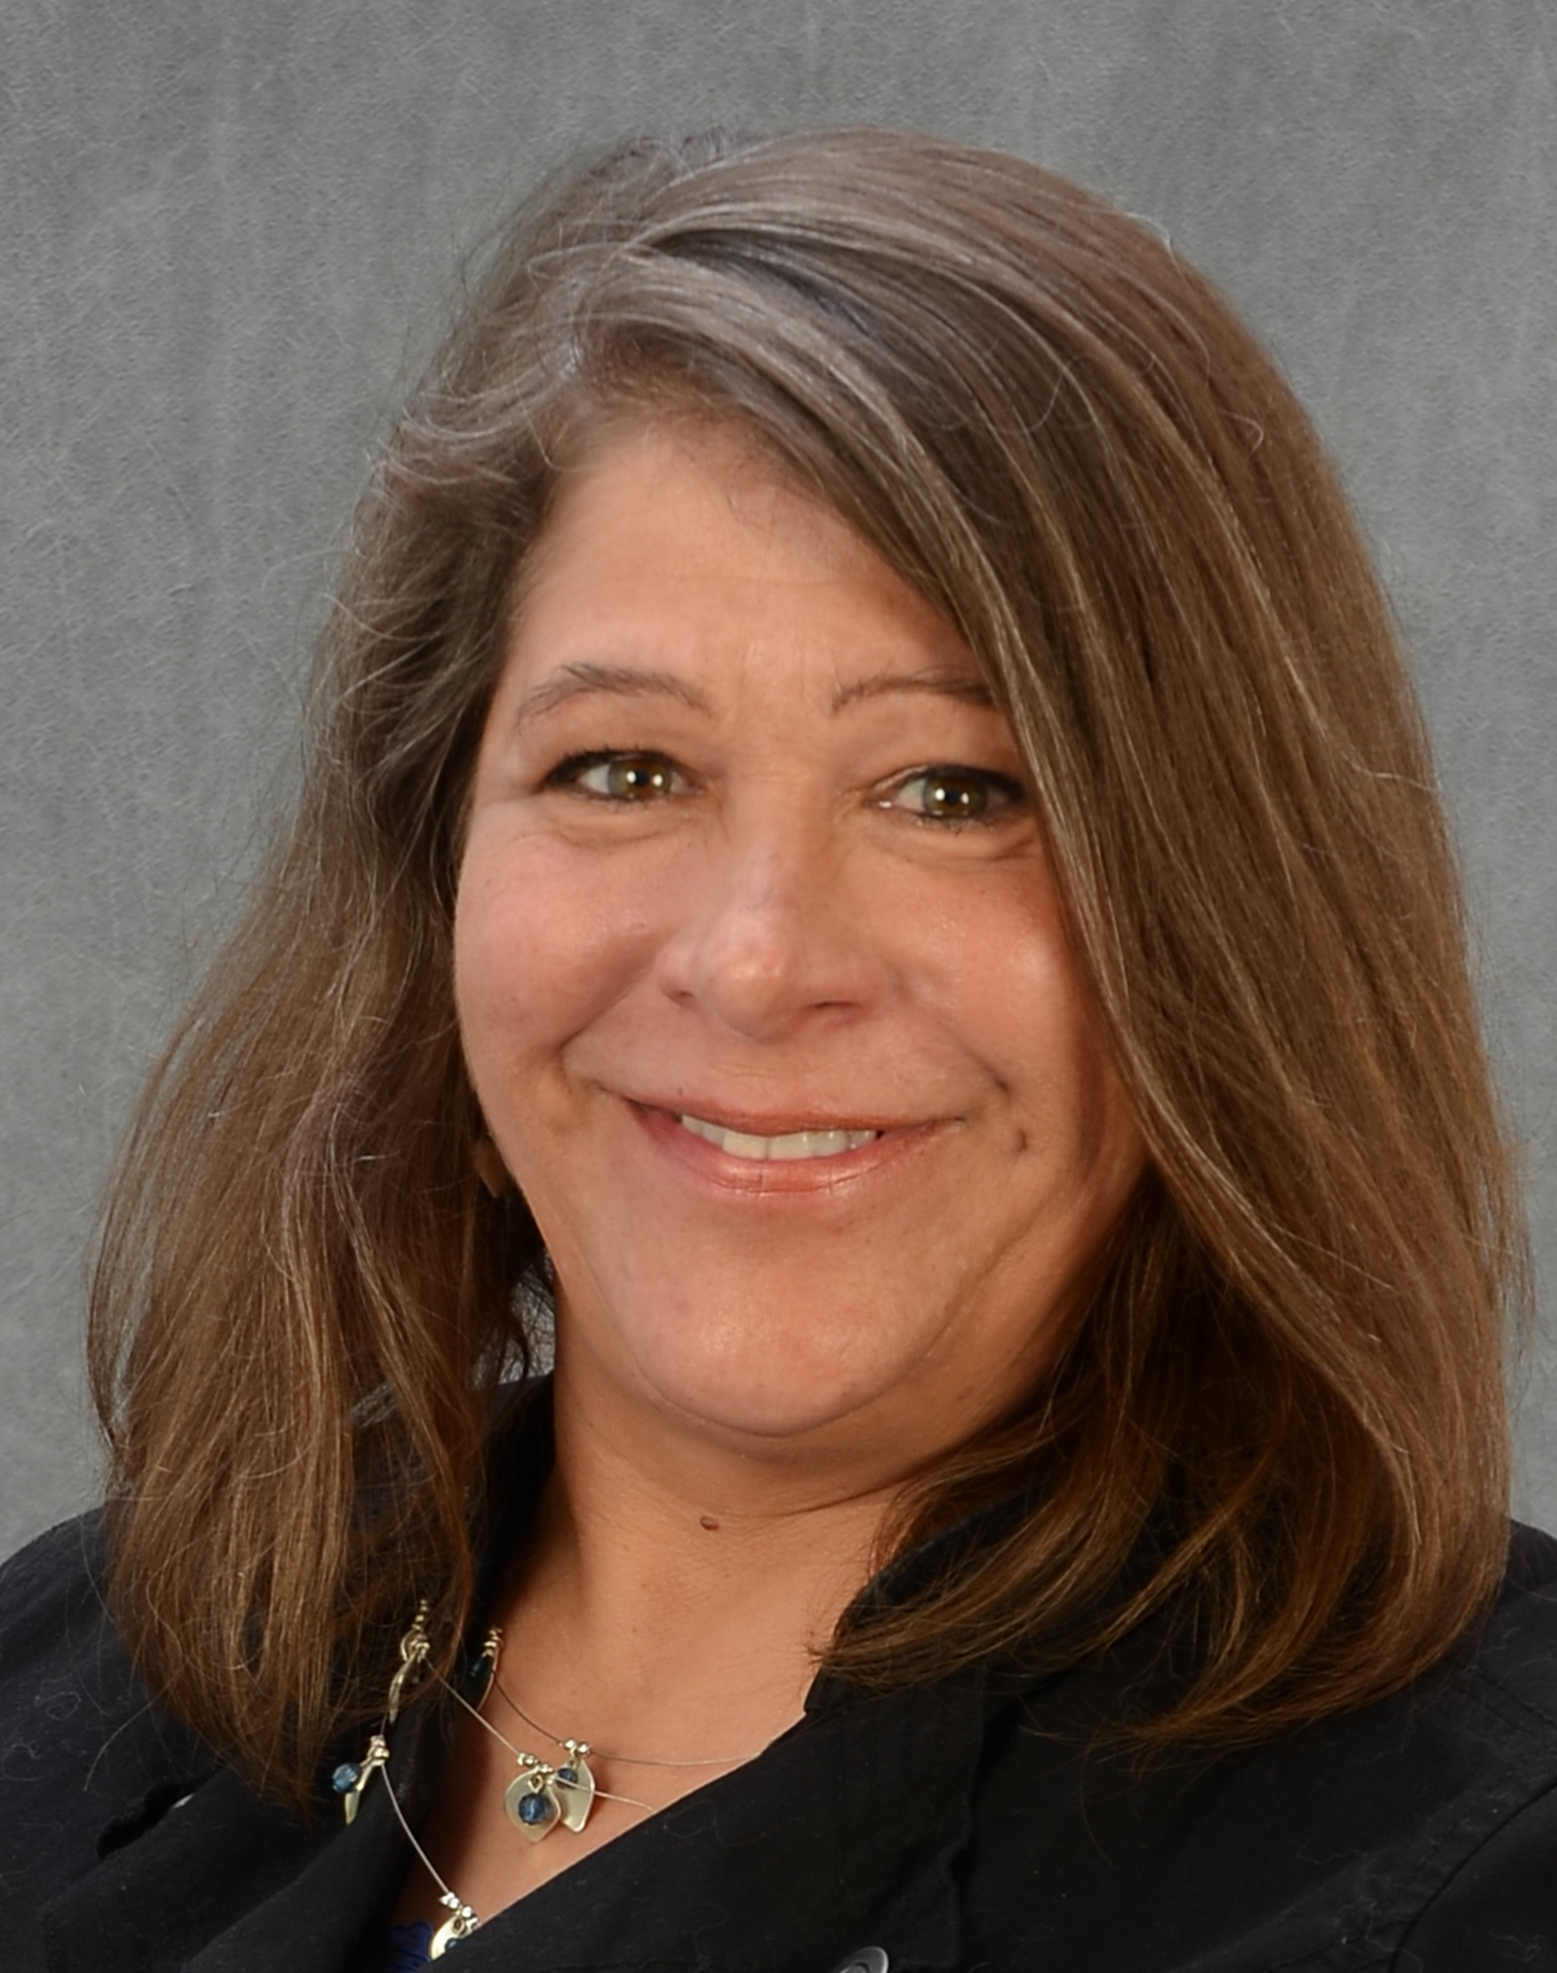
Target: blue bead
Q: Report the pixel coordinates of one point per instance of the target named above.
(567, 1774)
(346, 1777)
(536, 1808)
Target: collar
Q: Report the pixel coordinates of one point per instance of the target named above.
(845, 1832)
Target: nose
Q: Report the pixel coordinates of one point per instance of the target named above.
(766, 939)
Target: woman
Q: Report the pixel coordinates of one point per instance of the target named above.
(867, 850)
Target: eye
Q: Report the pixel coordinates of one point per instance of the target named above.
(956, 795)
(619, 777)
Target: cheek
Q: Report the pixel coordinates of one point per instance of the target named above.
(541, 948)
(995, 967)
(1002, 978)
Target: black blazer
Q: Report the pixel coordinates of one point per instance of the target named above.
(973, 1825)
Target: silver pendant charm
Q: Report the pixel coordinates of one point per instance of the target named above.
(414, 1649)
(574, 1785)
(532, 1801)
(351, 1777)
(460, 1923)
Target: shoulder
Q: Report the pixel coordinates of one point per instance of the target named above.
(45, 1590)
(1424, 1822)
(1516, 1653)
(1492, 1892)
(84, 1751)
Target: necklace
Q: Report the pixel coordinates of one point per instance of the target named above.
(543, 1796)
(462, 1920)
(548, 1795)
(620, 1760)
(352, 1777)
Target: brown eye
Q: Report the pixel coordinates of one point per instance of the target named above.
(956, 794)
(619, 777)
(636, 776)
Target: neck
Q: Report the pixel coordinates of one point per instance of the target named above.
(672, 1597)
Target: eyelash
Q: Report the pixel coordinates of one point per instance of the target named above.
(997, 795)
(570, 773)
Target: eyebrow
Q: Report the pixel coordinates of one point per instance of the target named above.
(621, 681)
(947, 684)
(570, 681)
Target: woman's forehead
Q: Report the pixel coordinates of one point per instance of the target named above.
(665, 528)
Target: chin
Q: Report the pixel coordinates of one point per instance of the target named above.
(778, 1416)
(774, 1392)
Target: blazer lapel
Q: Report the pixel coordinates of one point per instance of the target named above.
(227, 1884)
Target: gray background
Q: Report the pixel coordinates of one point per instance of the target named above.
(224, 234)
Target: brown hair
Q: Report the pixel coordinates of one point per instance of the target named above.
(1061, 435)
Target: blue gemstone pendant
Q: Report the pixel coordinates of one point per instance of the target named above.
(351, 1777)
(531, 1800)
(479, 1672)
(575, 1786)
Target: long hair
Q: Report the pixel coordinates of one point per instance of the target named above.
(1060, 434)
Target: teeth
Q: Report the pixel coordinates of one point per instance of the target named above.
(793, 1144)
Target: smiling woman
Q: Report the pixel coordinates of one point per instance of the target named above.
(758, 964)
(868, 862)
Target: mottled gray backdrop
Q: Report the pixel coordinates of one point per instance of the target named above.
(225, 232)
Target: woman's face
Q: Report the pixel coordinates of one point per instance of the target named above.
(763, 983)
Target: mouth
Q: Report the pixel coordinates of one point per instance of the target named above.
(785, 1148)
(772, 1156)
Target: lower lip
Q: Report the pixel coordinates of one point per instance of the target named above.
(776, 1177)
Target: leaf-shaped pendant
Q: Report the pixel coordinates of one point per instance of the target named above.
(575, 1785)
(531, 1801)
(351, 1777)
(460, 1923)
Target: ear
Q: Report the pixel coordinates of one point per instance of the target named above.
(490, 1168)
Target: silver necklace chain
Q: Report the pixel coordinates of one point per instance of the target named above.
(462, 1920)
(622, 1760)
(519, 1753)
(537, 1778)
